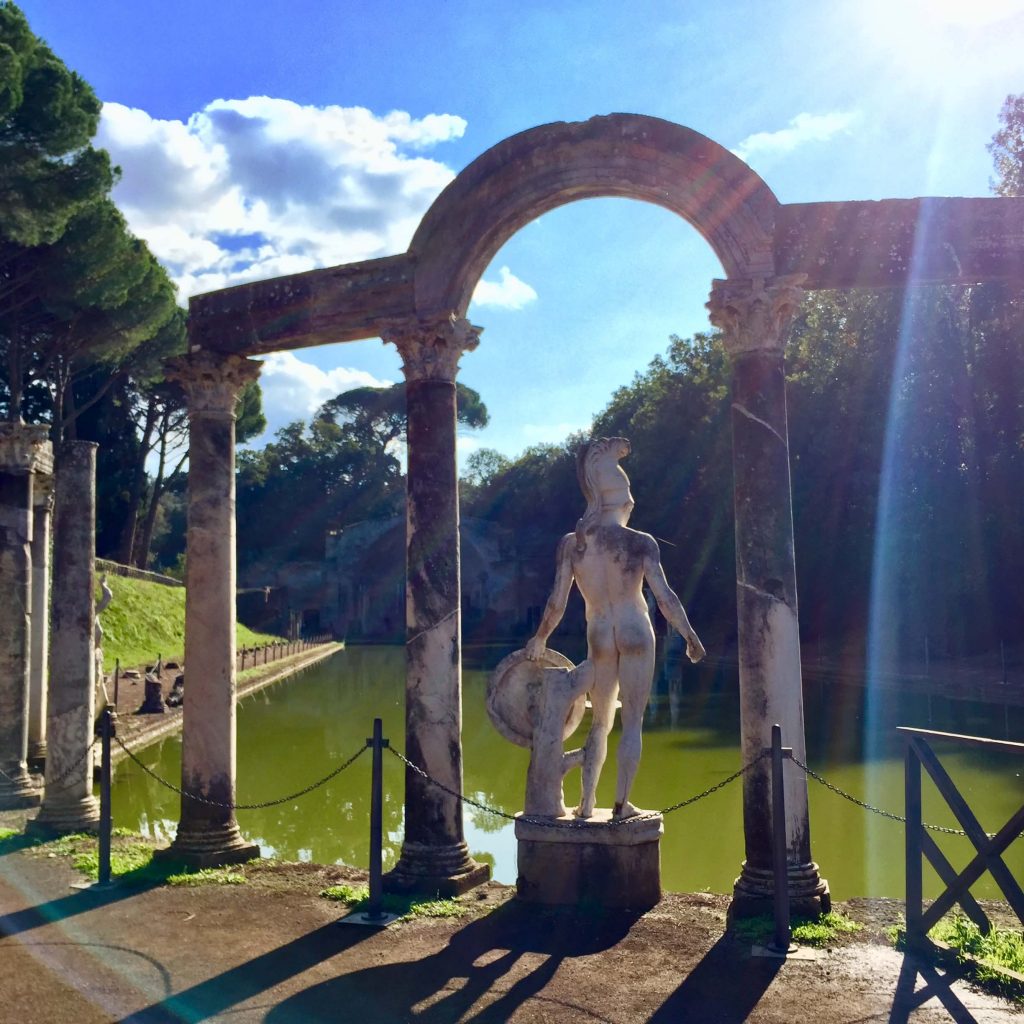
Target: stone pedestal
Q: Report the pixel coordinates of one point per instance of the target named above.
(208, 834)
(68, 803)
(39, 674)
(434, 857)
(593, 863)
(24, 454)
(754, 315)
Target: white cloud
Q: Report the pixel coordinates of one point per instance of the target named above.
(804, 128)
(256, 188)
(294, 389)
(507, 293)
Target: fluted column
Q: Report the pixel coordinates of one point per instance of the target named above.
(42, 499)
(24, 453)
(68, 803)
(754, 316)
(434, 858)
(208, 835)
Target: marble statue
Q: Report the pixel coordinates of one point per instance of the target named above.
(610, 563)
(106, 596)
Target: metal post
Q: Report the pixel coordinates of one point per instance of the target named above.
(912, 810)
(781, 941)
(374, 915)
(374, 911)
(106, 732)
(117, 680)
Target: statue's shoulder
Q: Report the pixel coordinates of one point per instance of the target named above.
(566, 544)
(645, 542)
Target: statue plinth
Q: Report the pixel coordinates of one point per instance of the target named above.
(592, 862)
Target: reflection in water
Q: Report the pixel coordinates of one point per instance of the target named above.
(297, 731)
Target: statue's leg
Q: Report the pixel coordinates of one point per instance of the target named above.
(636, 670)
(602, 699)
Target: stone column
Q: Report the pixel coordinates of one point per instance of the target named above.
(42, 496)
(207, 835)
(68, 803)
(24, 453)
(754, 315)
(434, 857)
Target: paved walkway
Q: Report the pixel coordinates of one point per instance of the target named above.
(271, 950)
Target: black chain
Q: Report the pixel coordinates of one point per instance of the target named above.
(876, 810)
(576, 822)
(241, 807)
(58, 783)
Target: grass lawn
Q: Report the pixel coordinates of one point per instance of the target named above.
(146, 619)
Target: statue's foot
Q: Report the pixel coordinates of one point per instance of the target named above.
(625, 810)
(583, 811)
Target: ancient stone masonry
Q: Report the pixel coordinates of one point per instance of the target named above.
(207, 834)
(434, 855)
(754, 316)
(42, 514)
(417, 301)
(68, 803)
(25, 456)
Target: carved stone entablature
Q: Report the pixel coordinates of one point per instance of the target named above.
(212, 382)
(431, 348)
(26, 448)
(754, 313)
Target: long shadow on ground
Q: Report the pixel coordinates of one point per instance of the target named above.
(219, 994)
(441, 988)
(723, 988)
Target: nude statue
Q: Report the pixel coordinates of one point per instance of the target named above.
(610, 564)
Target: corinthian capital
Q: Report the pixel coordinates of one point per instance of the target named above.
(26, 448)
(212, 382)
(431, 348)
(754, 313)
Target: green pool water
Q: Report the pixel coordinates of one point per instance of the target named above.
(296, 731)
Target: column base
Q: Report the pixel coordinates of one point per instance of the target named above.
(210, 847)
(37, 754)
(18, 790)
(58, 819)
(428, 870)
(753, 892)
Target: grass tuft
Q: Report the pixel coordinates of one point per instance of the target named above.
(206, 876)
(807, 931)
(6, 833)
(406, 907)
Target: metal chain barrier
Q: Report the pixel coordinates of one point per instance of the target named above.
(579, 822)
(876, 810)
(58, 783)
(234, 806)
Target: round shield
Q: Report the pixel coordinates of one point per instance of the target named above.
(515, 694)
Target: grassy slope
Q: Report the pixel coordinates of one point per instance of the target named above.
(146, 619)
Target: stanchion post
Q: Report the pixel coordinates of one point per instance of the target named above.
(106, 819)
(374, 915)
(779, 861)
(117, 680)
(374, 911)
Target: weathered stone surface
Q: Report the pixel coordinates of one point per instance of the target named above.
(591, 863)
(68, 803)
(208, 833)
(39, 673)
(755, 317)
(16, 789)
(433, 849)
(893, 242)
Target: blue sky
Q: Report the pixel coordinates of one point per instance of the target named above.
(267, 137)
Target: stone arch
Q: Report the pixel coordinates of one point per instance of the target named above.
(624, 155)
